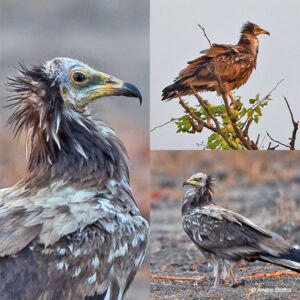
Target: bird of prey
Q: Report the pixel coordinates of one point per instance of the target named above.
(231, 65)
(225, 237)
(70, 229)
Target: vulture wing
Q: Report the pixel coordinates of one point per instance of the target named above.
(46, 237)
(233, 237)
(232, 64)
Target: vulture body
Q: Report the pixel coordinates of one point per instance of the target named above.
(232, 65)
(71, 228)
(225, 237)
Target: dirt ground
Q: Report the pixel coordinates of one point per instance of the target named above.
(264, 187)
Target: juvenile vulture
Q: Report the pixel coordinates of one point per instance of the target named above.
(232, 65)
(70, 229)
(225, 237)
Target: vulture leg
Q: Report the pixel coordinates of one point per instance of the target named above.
(232, 98)
(233, 280)
(218, 268)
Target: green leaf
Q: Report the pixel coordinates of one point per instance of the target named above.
(258, 110)
(234, 112)
(243, 112)
(238, 103)
(213, 137)
(226, 120)
(252, 101)
(250, 113)
(212, 146)
(256, 119)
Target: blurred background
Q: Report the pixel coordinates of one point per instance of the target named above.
(261, 185)
(110, 36)
(176, 38)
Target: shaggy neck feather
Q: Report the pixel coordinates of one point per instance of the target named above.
(63, 143)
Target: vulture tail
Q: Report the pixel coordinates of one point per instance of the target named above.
(169, 92)
(289, 260)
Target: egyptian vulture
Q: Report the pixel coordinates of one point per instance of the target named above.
(70, 229)
(225, 237)
(231, 65)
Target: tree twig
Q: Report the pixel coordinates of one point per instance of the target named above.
(263, 99)
(203, 29)
(218, 129)
(291, 145)
(295, 124)
(166, 277)
(200, 278)
(164, 124)
(275, 141)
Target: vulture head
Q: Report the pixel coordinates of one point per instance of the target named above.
(253, 29)
(50, 104)
(200, 181)
(201, 192)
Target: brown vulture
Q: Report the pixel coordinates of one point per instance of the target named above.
(70, 229)
(232, 65)
(225, 237)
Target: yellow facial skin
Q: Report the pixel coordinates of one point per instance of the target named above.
(195, 180)
(259, 31)
(83, 84)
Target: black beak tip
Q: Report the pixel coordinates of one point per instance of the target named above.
(132, 91)
(184, 183)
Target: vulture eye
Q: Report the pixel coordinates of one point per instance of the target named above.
(78, 77)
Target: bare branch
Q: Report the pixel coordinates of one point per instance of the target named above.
(291, 146)
(295, 124)
(205, 34)
(272, 148)
(275, 141)
(263, 99)
(246, 131)
(257, 139)
(162, 125)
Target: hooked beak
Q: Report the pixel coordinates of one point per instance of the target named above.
(128, 90)
(188, 182)
(265, 32)
(111, 86)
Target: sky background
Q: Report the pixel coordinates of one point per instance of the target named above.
(110, 36)
(176, 39)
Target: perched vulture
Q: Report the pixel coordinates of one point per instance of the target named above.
(232, 65)
(225, 237)
(70, 229)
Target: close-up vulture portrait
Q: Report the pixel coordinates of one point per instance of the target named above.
(70, 229)
(222, 68)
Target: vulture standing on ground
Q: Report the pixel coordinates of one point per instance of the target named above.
(225, 237)
(231, 64)
(70, 229)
